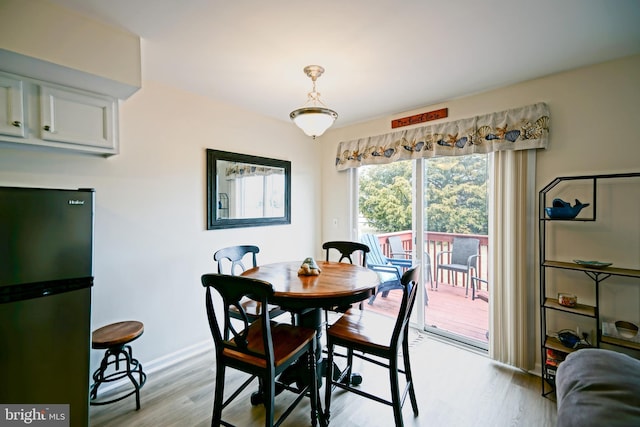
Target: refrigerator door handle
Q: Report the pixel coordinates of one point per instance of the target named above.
(27, 291)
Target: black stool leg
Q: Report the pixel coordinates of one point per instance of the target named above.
(122, 353)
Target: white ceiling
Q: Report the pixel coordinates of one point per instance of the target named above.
(382, 57)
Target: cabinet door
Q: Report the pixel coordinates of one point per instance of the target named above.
(11, 107)
(77, 118)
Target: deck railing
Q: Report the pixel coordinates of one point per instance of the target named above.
(436, 242)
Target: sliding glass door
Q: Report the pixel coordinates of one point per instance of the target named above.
(455, 207)
(452, 195)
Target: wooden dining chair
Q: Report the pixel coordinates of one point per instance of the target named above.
(263, 348)
(348, 251)
(233, 257)
(365, 334)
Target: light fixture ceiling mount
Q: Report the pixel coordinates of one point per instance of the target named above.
(314, 118)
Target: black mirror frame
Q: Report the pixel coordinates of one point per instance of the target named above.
(214, 223)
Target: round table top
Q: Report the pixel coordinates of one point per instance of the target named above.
(338, 283)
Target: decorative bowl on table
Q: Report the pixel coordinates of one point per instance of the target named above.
(626, 329)
(592, 264)
(309, 267)
(563, 210)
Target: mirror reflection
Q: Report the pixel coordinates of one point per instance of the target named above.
(247, 191)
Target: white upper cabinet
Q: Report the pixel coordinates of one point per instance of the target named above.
(12, 111)
(74, 117)
(40, 114)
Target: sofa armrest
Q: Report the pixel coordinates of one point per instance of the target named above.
(598, 387)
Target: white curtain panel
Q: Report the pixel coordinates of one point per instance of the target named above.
(511, 242)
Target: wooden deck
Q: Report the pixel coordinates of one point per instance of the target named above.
(446, 309)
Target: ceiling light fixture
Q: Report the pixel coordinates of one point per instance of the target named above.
(314, 117)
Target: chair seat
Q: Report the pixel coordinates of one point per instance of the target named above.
(254, 308)
(454, 267)
(287, 341)
(363, 328)
(386, 276)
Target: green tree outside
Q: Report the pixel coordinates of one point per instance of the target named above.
(455, 202)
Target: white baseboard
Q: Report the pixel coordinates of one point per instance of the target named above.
(537, 369)
(163, 362)
(178, 356)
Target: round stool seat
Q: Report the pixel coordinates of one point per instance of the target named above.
(116, 334)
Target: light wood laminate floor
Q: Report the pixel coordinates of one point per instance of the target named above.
(454, 387)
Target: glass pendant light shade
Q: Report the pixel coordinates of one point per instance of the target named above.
(313, 120)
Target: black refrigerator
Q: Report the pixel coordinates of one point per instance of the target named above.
(46, 275)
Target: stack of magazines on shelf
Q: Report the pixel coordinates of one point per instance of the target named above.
(554, 357)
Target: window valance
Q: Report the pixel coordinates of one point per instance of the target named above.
(241, 170)
(521, 128)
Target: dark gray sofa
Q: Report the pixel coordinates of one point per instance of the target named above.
(597, 387)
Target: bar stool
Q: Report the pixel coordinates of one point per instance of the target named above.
(114, 339)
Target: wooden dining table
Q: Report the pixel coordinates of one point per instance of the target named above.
(338, 284)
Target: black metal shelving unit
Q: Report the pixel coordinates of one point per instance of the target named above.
(223, 205)
(597, 275)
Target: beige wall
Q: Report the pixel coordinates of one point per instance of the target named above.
(594, 118)
(151, 245)
(39, 29)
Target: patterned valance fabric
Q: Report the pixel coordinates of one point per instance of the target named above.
(240, 170)
(521, 128)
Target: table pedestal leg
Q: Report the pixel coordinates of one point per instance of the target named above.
(312, 318)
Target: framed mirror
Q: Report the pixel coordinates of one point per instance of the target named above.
(247, 191)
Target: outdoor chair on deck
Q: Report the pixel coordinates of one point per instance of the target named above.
(463, 257)
(476, 286)
(262, 348)
(389, 271)
(366, 334)
(376, 257)
(398, 252)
